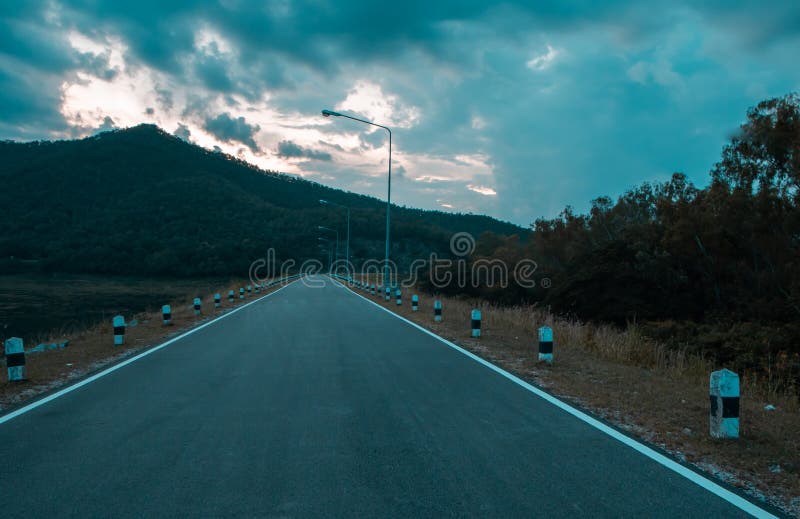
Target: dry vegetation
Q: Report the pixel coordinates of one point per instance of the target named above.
(93, 348)
(655, 394)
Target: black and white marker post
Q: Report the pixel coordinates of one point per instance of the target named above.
(197, 305)
(546, 344)
(388, 293)
(476, 323)
(437, 311)
(119, 330)
(241, 293)
(399, 296)
(15, 359)
(217, 300)
(724, 393)
(372, 289)
(230, 296)
(414, 303)
(166, 313)
(249, 289)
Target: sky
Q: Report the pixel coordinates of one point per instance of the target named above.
(512, 109)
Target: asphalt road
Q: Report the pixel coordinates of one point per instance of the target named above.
(315, 403)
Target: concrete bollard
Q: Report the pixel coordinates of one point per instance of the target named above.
(437, 311)
(399, 296)
(15, 359)
(217, 300)
(546, 344)
(372, 289)
(388, 293)
(197, 305)
(166, 313)
(414, 303)
(476, 323)
(241, 293)
(230, 296)
(119, 330)
(724, 395)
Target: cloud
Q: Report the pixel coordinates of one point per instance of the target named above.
(543, 61)
(482, 190)
(107, 125)
(182, 132)
(290, 150)
(229, 129)
(543, 104)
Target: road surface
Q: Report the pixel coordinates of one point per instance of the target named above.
(315, 403)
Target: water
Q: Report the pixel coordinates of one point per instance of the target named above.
(34, 307)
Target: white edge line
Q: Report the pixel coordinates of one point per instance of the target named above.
(22, 410)
(731, 497)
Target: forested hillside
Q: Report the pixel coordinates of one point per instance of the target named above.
(142, 202)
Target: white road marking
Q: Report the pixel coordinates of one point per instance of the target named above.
(731, 497)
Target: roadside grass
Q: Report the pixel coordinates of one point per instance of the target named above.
(653, 392)
(92, 347)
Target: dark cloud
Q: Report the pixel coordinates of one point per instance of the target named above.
(107, 125)
(213, 73)
(228, 129)
(182, 132)
(29, 104)
(289, 149)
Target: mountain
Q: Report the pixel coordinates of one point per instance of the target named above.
(140, 201)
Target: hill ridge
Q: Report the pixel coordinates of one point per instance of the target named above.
(157, 198)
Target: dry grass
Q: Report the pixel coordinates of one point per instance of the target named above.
(92, 348)
(655, 393)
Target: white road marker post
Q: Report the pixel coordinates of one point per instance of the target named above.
(15, 359)
(166, 313)
(388, 293)
(241, 293)
(230, 296)
(249, 289)
(198, 305)
(119, 330)
(724, 396)
(217, 300)
(414, 303)
(437, 311)
(546, 344)
(372, 289)
(399, 295)
(476, 322)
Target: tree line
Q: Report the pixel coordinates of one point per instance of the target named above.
(716, 269)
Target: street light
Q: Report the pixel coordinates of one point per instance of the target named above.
(328, 113)
(321, 228)
(328, 252)
(347, 243)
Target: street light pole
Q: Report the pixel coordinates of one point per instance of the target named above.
(321, 228)
(347, 243)
(328, 113)
(326, 250)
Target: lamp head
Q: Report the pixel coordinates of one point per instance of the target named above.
(328, 113)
